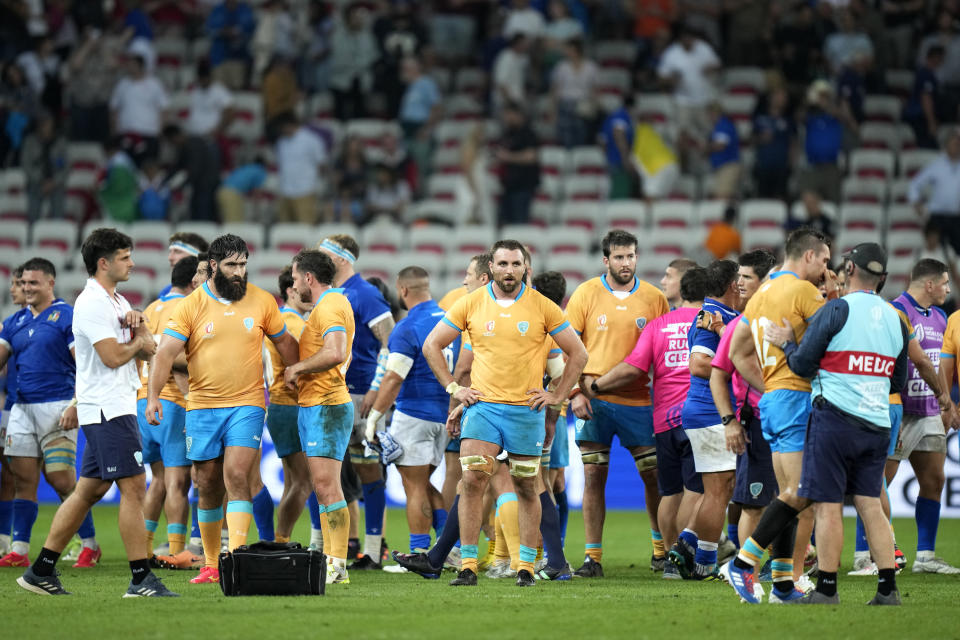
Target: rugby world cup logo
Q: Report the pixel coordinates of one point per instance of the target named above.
(602, 320)
(208, 329)
(523, 326)
(490, 325)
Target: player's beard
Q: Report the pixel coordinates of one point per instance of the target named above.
(232, 289)
(621, 280)
(508, 287)
(305, 297)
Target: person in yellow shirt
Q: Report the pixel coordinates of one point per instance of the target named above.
(283, 411)
(164, 445)
(610, 312)
(949, 365)
(326, 416)
(221, 326)
(507, 323)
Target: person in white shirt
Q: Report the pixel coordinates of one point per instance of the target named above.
(687, 66)
(211, 104)
(510, 73)
(137, 110)
(109, 336)
(935, 191)
(524, 20)
(301, 154)
(573, 87)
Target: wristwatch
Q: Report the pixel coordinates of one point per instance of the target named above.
(727, 419)
(594, 387)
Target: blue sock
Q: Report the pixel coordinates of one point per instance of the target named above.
(927, 515)
(448, 537)
(150, 525)
(470, 551)
(314, 508)
(527, 554)
(563, 511)
(706, 553)
(860, 539)
(263, 514)
(419, 541)
(6, 517)
(689, 537)
(733, 532)
(87, 530)
(550, 530)
(439, 519)
(24, 515)
(195, 520)
(374, 504)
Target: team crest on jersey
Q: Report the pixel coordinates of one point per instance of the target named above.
(523, 326)
(756, 488)
(248, 323)
(641, 323)
(53, 317)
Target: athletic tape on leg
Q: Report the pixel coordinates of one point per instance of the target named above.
(646, 461)
(524, 468)
(596, 457)
(477, 463)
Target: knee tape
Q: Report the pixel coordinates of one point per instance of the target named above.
(477, 463)
(596, 457)
(358, 455)
(60, 455)
(524, 468)
(545, 459)
(646, 461)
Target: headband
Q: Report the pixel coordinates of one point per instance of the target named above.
(338, 251)
(186, 248)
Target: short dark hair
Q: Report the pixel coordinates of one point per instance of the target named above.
(482, 266)
(39, 264)
(227, 245)
(102, 243)
(316, 262)
(695, 284)
(722, 274)
(509, 245)
(17, 272)
(927, 268)
(802, 240)
(192, 239)
(617, 238)
(285, 281)
(552, 285)
(413, 272)
(682, 265)
(346, 242)
(760, 260)
(182, 274)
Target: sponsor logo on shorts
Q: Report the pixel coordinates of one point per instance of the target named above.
(756, 488)
(248, 323)
(189, 443)
(111, 469)
(523, 326)
(138, 456)
(311, 444)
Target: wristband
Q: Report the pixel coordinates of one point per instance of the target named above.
(574, 393)
(727, 419)
(453, 387)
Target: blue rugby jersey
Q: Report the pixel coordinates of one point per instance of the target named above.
(699, 410)
(45, 368)
(369, 308)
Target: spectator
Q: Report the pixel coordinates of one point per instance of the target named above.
(573, 89)
(393, 154)
(748, 33)
(388, 195)
(400, 35)
(947, 37)
(774, 133)
(704, 16)
(519, 166)
(154, 200)
(350, 183)
(280, 95)
(524, 20)
(199, 159)
(137, 108)
(561, 29)
(230, 27)
(301, 155)
(935, 248)
(921, 110)
(453, 27)
(900, 20)
(935, 191)
(119, 187)
(686, 67)
(824, 141)
(353, 54)
(314, 66)
(242, 182)
(420, 111)
(20, 107)
(137, 20)
(815, 215)
(840, 47)
(798, 40)
(41, 68)
(723, 148)
(92, 71)
(652, 18)
(474, 190)
(211, 106)
(44, 161)
(273, 37)
(656, 162)
(14, 36)
(723, 240)
(510, 74)
(618, 134)
(852, 89)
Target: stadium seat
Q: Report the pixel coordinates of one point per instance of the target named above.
(630, 215)
(650, 267)
(554, 161)
(13, 206)
(290, 237)
(668, 242)
(205, 229)
(441, 187)
(270, 262)
(763, 213)
(56, 234)
(382, 236)
(657, 107)
(529, 235)
(912, 161)
(847, 239)
(903, 242)
(580, 266)
(433, 238)
(710, 212)
(179, 105)
(69, 284)
(442, 76)
(567, 240)
(588, 160)
(473, 239)
(771, 238)
(149, 235)
(549, 189)
(872, 163)
(445, 210)
(864, 190)
(739, 107)
(139, 290)
(321, 106)
(171, 51)
(14, 234)
(10, 259)
(672, 213)
(906, 138)
(903, 217)
(434, 264)
(85, 155)
(899, 190)
(450, 133)
(470, 80)
(447, 160)
(899, 81)
(266, 282)
(380, 264)
(899, 267)
(588, 215)
(544, 213)
(744, 80)
(612, 81)
(797, 211)
(331, 127)
(152, 263)
(463, 106)
(254, 233)
(13, 181)
(884, 108)
(327, 229)
(248, 108)
(861, 216)
(615, 53)
(589, 187)
(879, 135)
(60, 259)
(368, 130)
(685, 188)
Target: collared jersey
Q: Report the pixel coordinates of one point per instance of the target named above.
(273, 365)
(369, 308)
(224, 345)
(507, 340)
(699, 409)
(450, 297)
(784, 296)
(332, 313)
(950, 351)
(610, 325)
(421, 395)
(45, 368)
(158, 313)
(929, 325)
(10, 387)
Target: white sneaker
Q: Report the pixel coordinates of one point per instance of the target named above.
(395, 568)
(934, 565)
(162, 550)
(724, 572)
(337, 575)
(758, 592)
(453, 560)
(501, 569)
(805, 584)
(540, 564)
(863, 566)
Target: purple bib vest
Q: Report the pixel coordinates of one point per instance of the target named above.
(918, 399)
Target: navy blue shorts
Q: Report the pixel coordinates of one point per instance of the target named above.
(675, 467)
(841, 457)
(113, 449)
(756, 483)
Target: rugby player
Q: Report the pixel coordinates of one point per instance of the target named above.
(949, 362)
(7, 490)
(325, 421)
(368, 363)
(506, 323)
(183, 244)
(42, 431)
(670, 282)
(221, 326)
(609, 313)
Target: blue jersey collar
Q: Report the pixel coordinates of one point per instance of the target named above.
(336, 289)
(724, 308)
(286, 309)
(636, 283)
(916, 305)
(171, 296)
(777, 274)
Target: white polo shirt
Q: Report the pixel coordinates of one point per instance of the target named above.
(96, 317)
(298, 159)
(139, 105)
(206, 108)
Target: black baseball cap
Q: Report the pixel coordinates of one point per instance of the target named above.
(870, 257)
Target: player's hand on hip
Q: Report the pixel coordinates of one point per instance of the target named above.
(453, 421)
(68, 419)
(367, 404)
(133, 319)
(154, 412)
(541, 399)
(581, 407)
(467, 396)
(736, 437)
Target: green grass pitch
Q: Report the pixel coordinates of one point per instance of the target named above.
(630, 602)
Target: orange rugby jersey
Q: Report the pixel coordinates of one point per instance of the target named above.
(783, 296)
(158, 313)
(506, 341)
(610, 326)
(951, 343)
(895, 397)
(451, 296)
(225, 345)
(332, 313)
(273, 365)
